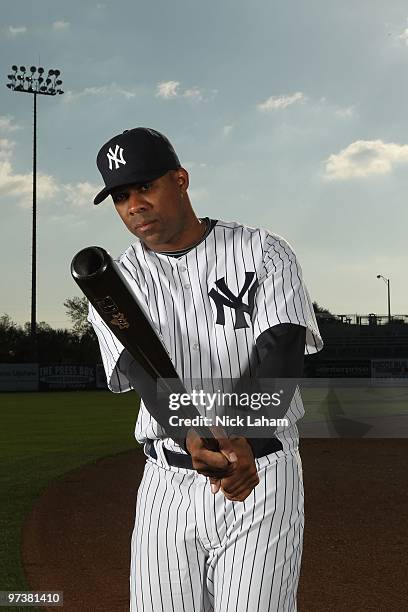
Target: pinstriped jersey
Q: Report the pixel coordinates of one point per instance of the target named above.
(209, 306)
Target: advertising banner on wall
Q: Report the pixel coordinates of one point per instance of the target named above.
(351, 368)
(55, 376)
(18, 376)
(389, 368)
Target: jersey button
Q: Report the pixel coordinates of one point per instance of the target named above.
(187, 286)
(196, 347)
(183, 269)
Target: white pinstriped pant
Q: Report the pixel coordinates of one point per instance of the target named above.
(193, 551)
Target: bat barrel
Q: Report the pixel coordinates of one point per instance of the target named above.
(97, 275)
(90, 262)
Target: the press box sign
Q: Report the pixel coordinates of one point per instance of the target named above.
(18, 376)
(66, 376)
(389, 368)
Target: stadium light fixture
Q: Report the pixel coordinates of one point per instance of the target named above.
(32, 82)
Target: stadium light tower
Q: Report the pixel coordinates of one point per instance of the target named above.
(387, 281)
(34, 82)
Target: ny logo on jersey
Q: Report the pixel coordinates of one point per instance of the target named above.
(115, 157)
(234, 301)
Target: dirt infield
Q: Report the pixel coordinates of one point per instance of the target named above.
(77, 537)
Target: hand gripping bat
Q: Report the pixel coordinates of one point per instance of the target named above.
(100, 280)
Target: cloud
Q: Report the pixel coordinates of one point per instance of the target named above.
(80, 194)
(6, 148)
(107, 91)
(171, 89)
(193, 94)
(7, 125)
(189, 164)
(345, 113)
(227, 129)
(341, 112)
(167, 89)
(198, 195)
(16, 30)
(60, 25)
(20, 186)
(279, 102)
(364, 158)
(404, 36)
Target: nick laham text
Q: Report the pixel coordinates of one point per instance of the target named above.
(227, 421)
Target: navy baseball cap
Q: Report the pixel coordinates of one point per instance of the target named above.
(139, 155)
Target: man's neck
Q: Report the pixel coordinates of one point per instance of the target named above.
(196, 238)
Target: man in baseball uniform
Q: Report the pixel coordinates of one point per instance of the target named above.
(215, 530)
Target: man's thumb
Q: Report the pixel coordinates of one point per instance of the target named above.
(226, 449)
(224, 443)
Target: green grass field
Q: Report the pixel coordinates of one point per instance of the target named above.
(43, 436)
(361, 401)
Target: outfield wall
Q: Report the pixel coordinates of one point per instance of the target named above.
(80, 376)
(19, 377)
(51, 377)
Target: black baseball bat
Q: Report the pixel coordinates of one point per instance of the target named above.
(99, 278)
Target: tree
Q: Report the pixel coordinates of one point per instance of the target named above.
(77, 310)
(15, 340)
(53, 345)
(7, 324)
(322, 313)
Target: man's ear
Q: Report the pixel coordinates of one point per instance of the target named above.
(182, 179)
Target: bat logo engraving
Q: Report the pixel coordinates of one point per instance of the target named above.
(108, 307)
(120, 320)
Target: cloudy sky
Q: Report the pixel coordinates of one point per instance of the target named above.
(288, 115)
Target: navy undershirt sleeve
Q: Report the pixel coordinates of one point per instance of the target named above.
(281, 352)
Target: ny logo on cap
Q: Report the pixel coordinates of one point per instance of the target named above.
(115, 157)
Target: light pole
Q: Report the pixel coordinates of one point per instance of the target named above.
(387, 281)
(33, 82)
